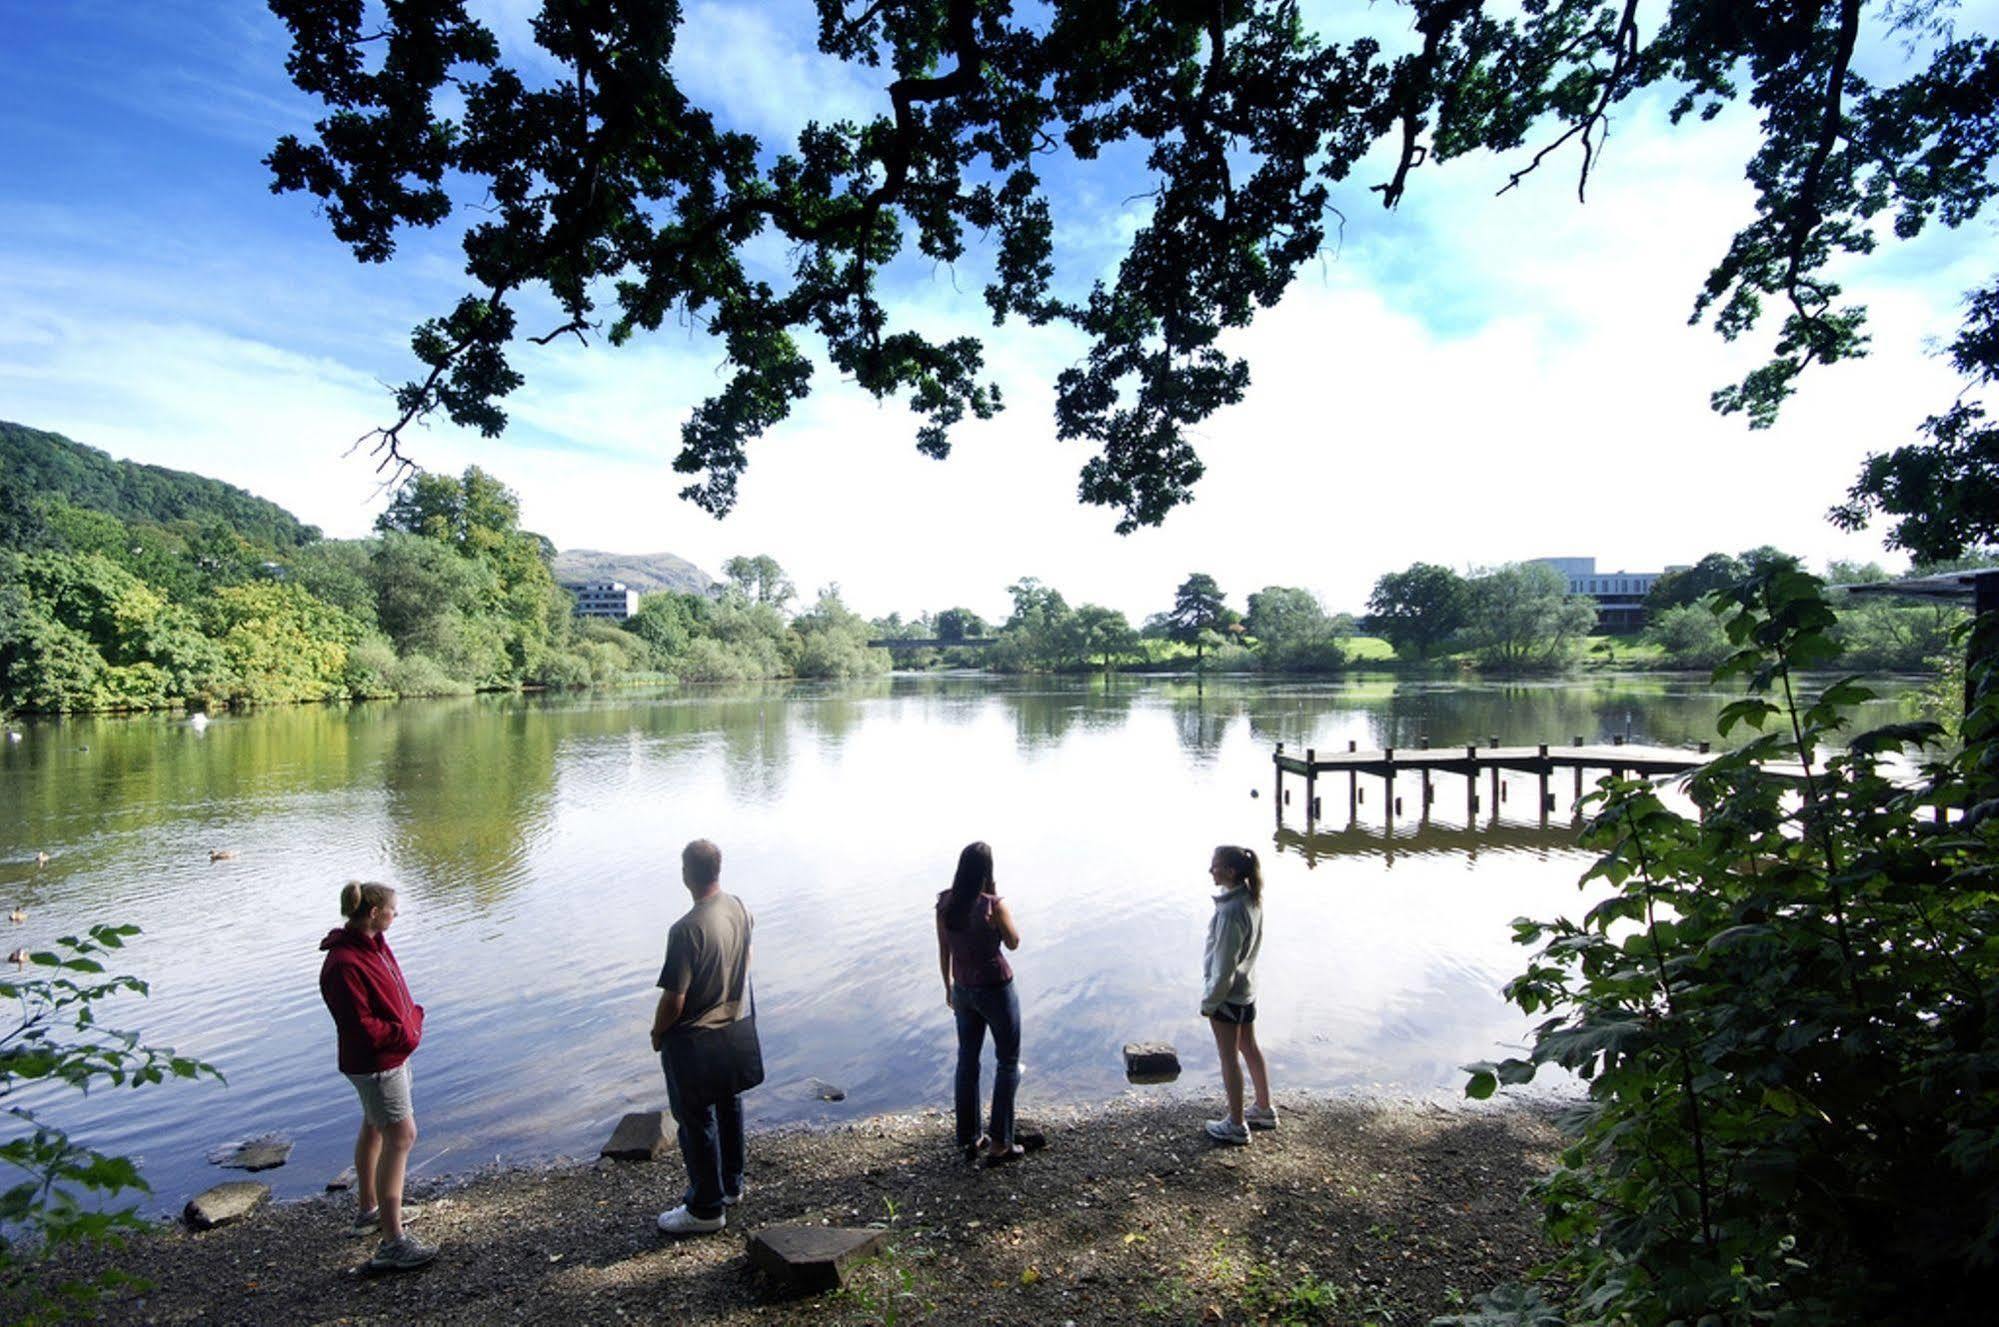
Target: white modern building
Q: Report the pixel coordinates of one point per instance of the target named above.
(1619, 595)
(605, 599)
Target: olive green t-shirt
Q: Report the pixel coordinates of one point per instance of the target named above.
(708, 961)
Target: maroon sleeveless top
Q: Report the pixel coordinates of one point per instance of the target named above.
(976, 959)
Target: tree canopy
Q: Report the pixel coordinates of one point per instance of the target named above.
(606, 188)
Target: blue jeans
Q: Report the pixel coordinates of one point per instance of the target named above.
(979, 1008)
(711, 1143)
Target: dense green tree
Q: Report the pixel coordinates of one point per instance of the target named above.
(664, 622)
(1691, 636)
(1293, 632)
(833, 640)
(760, 579)
(957, 624)
(1419, 609)
(479, 517)
(1105, 635)
(22, 523)
(281, 643)
(1199, 614)
(1522, 616)
(1690, 585)
(338, 572)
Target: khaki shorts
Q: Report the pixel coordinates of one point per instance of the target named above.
(385, 1097)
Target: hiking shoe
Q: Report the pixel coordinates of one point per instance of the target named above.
(371, 1220)
(1257, 1117)
(401, 1255)
(731, 1199)
(1228, 1131)
(680, 1221)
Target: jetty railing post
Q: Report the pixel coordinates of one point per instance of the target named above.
(1471, 783)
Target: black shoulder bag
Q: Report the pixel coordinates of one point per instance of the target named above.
(713, 1064)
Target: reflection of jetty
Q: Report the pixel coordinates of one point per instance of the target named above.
(1469, 762)
(1467, 841)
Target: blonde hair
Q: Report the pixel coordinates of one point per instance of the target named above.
(361, 897)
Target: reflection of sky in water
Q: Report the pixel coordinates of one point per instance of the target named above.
(537, 840)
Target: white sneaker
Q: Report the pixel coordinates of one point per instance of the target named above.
(1228, 1131)
(1256, 1117)
(731, 1199)
(680, 1221)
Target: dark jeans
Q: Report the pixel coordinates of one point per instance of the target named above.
(711, 1142)
(979, 1008)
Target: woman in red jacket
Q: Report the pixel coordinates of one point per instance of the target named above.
(379, 1026)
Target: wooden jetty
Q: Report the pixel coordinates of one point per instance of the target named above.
(1469, 762)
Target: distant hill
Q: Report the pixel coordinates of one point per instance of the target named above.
(643, 572)
(48, 464)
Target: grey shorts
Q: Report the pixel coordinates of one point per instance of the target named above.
(1235, 1013)
(385, 1097)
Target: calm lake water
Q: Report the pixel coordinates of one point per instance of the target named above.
(536, 843)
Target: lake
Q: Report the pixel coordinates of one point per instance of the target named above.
(536, 844)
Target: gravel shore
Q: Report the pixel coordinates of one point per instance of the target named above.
(1351, 1212)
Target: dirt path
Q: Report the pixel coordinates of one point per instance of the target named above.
(1349, 1213)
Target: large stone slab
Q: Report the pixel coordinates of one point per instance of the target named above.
(640, 1136)
(1151, 1062)
(812, 1258)
(225, 1203)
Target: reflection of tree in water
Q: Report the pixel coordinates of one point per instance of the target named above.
(1201, 718)
(1106, 703)
(1651, 710)
(1042, 718)
(756, 743)
(833, 714)
(470, 786)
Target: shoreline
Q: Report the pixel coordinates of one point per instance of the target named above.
(1354, 1209)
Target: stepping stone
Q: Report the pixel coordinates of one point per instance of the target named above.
(1151, 1062)
(342, 1182)
(225, 1203)
(265, 1153)
(826, 1091)
(812, 1258)
(640, 1136)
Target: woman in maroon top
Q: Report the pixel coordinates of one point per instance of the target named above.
(379, 1026)
(972, 924)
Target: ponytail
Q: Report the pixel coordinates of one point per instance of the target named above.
(361, 897)
(1242, 864)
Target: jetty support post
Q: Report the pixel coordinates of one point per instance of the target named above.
(1277, 793)
(1311, 787)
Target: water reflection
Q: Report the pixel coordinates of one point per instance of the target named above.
(470, 788)
(536, 840)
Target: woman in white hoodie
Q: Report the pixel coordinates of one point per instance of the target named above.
(1228, 999)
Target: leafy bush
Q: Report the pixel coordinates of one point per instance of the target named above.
(59, 1191)
(1691, 635)
(1785, 1015)
(421, 675)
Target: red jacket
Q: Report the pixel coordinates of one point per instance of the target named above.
(364, 990)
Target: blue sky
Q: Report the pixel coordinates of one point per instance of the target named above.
(1469, 380)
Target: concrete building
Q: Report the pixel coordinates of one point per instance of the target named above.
(1619, 595)
(604, 599)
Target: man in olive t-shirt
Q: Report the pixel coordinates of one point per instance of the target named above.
(704, 983)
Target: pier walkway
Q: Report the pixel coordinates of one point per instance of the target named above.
(1469, 762)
